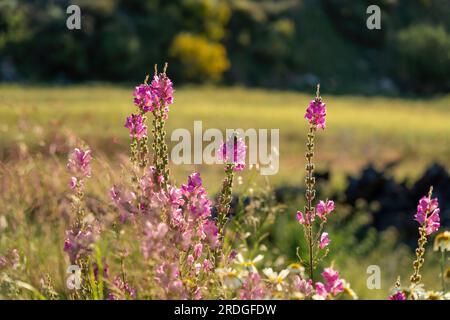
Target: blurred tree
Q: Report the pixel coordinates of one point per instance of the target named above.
(200, 59)
(422, 58)
(288, 44)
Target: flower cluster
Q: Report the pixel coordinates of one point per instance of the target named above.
(135, 123)
(79, 165)
(316, 112)
(332, 287)
(242, 279)
(156, 95)
(179, 242)
(12, 259)
(428, 214)
(322, 210)
(233, 152)
(121, 290)
(78, 242)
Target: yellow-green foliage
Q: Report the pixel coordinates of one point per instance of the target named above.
(201, 59)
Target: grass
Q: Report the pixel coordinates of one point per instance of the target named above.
(360, 129)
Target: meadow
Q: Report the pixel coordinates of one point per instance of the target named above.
(39, 126)
(413, 132)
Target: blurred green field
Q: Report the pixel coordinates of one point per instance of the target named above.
(360, 129)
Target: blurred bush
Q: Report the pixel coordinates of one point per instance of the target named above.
(289, 44)
(422, 58)
(200, 59)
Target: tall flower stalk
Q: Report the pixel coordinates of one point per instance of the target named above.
(315, 239)
(162, 88)
(154, 98)
(82, 234)
(428, 217)
(232, 153)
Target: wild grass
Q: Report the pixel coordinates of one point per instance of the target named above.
(360, 129)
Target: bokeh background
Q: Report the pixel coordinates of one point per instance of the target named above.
(236, 64)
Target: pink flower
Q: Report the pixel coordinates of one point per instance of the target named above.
(121, 290)
(194, 181)
(135, 123)
(398, 296)
(198, 249)
(79, 163)
(73, 183)
(233, 151)
(79, 242)
(428, 214)
(333, 284)
(300, 218)
(252, 288)
(3, 261)
(433, 222)
(211, 232)
(305, 221)
(321, 292)
(324, 208)
(303, 286)
(324, 240)
(162, 87)
(315, 113)
(144, 99)
(207, 265)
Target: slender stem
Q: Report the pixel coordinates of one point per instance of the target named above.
(420, 251)
(310, 194)
(224, 207)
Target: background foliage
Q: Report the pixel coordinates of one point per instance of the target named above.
(285, 44)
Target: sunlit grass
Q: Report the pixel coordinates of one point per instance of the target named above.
(360, 129)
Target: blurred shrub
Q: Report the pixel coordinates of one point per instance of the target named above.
(200, 59)
(289, 44)
(422, 58)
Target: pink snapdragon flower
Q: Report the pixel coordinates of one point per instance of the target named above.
(315, 113)
(233, 151)
(300, 218)
(144, 98)
(252, 287)
(79, 163)
(320, 293)
(162, 87)
(324, 208)
(135, 123)
(305, 219)
(333, 283)
(324, 240)
(198, 249)
(121, 290)
(428, 214)
(73, 182)
(399, 295)
(211, 232)
(79, 242)
(303, 286)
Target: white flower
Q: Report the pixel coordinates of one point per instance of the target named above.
(442, 241)
(229, 276)
(249, 263)
(275, 278)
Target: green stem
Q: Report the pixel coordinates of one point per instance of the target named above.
(310, 194)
